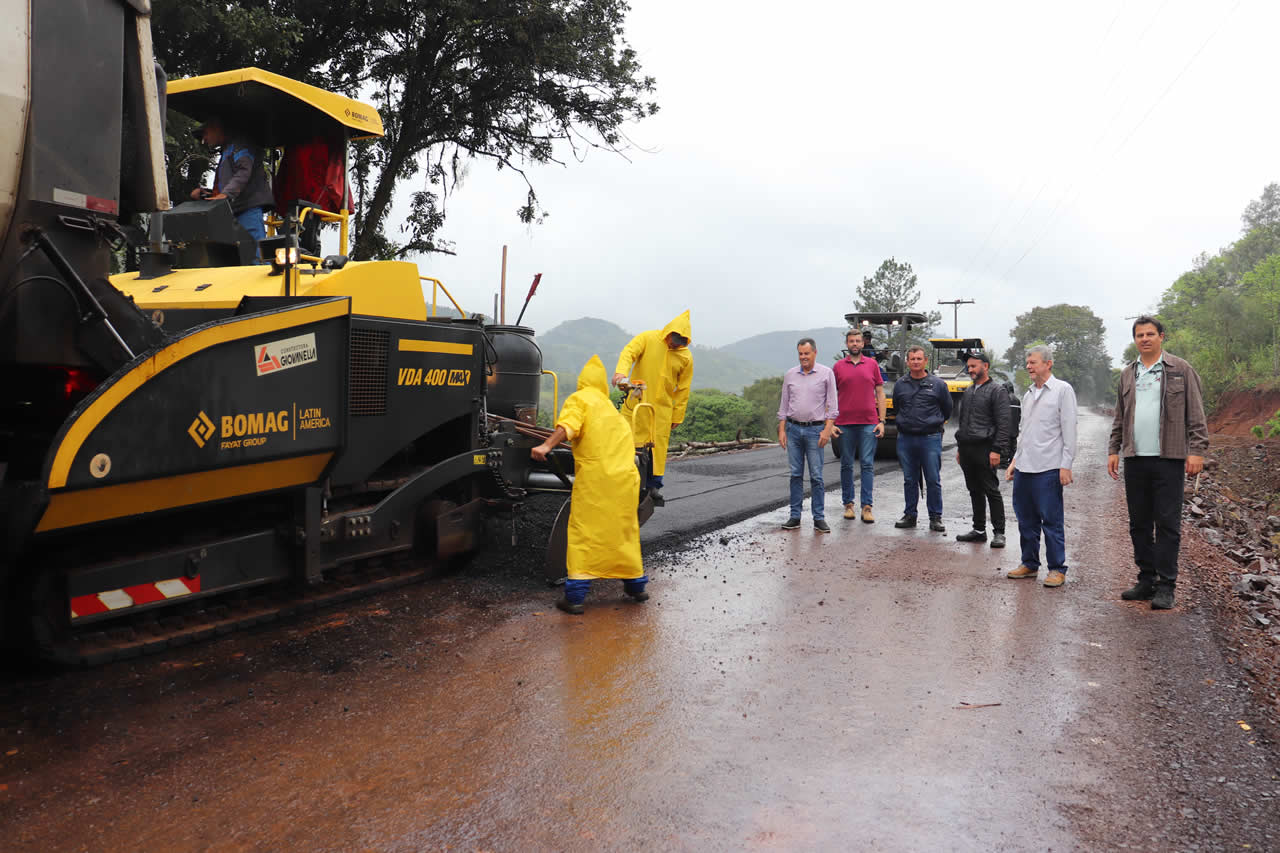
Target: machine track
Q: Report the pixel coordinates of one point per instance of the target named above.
(149, 633)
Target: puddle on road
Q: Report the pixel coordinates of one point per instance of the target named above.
(780, 689)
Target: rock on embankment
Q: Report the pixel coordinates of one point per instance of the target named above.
(1235, 504)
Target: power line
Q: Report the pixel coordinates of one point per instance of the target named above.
(1175, 80)
(1049, 224)
(1132, 53)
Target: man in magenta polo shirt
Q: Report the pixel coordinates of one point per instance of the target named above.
(860, 392)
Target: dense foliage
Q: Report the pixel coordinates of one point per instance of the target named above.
(1223, 314)
(516, 83)
(1078, 340)
(716, 416)
(895, 287)
(764, 397)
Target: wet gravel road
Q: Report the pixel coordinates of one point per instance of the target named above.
(781, 690)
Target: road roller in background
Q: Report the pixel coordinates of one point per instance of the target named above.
(209, 441)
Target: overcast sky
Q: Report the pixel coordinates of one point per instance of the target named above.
(1014, 153)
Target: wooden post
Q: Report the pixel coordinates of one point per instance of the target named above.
(504, 286)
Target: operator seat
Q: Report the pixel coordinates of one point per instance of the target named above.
(308, 236)
(311, 174)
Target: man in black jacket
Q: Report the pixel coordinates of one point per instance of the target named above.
(923, 404)
(982, 436)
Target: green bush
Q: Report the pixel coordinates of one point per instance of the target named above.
(715, 416)
(710, 416)
(1270, 429)
(763, 395)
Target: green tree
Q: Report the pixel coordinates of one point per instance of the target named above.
(715, 416)
(1220, 314)
(764, 396)
(1077, 337)
(1263, 283)
(895, 287)
(1263, 211)
(517, 83)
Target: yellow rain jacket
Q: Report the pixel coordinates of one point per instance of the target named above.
(667, 374)
(604, 533)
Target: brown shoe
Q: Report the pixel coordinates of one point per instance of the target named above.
(867, 517)
(1055, 579)
(848, 511)
(1022, 572)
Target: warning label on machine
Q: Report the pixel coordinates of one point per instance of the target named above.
(281, 355)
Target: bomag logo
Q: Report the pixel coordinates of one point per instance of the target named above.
(252, 429)
(201, 429)
(437, 376)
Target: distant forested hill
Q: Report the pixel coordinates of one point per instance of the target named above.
(568, 346)
(775, 352)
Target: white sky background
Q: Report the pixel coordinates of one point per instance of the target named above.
(1015, 153)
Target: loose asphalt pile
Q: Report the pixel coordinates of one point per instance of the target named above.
(1229, 562)
(1234, 505)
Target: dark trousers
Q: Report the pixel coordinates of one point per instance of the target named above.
(1037, 501)
(921, 459)
(983, 485)
(1153, 490)
(576, 589)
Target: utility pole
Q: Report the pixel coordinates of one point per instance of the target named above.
(955, 315)
(501, 316)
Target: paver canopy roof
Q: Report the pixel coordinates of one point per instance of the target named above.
(885, 318)
(277, 110)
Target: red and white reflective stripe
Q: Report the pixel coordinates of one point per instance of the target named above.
(131, 596)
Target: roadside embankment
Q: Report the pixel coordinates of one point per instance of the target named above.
(1232, 514)
(1238, 411)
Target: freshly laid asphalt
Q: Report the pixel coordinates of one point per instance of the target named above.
(869, 689)
(709, 492)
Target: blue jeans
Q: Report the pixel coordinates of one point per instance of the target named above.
(1037, 502)
(802, 446)
(921, 456)
(862, 438)
(251, 219)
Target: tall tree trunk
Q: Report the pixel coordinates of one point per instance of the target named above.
(371, 221)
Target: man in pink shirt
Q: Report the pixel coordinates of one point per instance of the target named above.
(860, 393)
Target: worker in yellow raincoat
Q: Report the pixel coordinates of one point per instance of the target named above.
(662, 361)
(604, 532)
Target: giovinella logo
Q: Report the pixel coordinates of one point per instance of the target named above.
(281, 355)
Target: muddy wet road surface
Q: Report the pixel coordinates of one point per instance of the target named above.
(871, 689)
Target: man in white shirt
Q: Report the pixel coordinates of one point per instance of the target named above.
(1042, 466)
